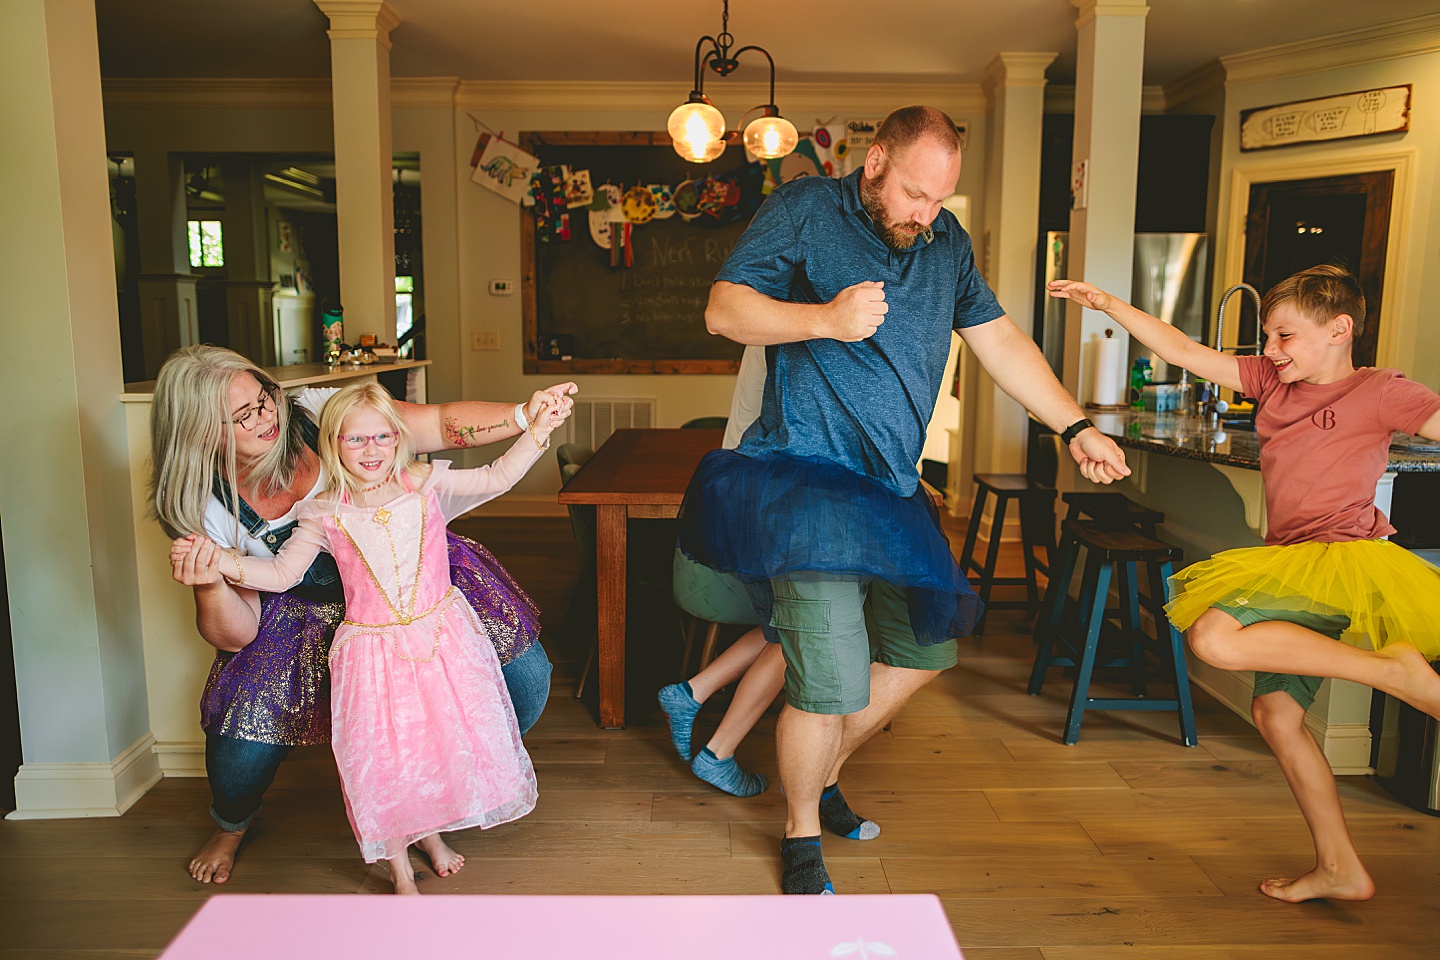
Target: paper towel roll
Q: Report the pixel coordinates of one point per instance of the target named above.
(1109, 371)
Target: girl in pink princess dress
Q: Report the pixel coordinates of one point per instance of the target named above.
(424, 732)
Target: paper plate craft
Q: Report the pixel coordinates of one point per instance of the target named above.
(687, 199)
(664, 205)
(713, 194)
(601, 219)
(639, 204)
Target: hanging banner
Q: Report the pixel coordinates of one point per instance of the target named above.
(1363, 113)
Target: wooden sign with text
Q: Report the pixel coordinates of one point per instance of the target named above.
(1363, 113)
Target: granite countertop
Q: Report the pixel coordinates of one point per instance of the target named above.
(1196, 439)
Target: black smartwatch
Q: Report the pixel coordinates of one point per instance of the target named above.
(1073, 431)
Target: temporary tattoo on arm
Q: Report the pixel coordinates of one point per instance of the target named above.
(465, 435)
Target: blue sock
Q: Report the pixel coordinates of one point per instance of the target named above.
(802, 868)
(678, 702)
(727, 775)
(837, 816)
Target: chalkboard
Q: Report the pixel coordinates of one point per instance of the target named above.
(645, 318)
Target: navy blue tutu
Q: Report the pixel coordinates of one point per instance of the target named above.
(789, 518)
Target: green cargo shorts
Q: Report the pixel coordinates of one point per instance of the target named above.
(1301, 689)
(831, 631)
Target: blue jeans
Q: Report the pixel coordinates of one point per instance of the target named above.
(240, 771)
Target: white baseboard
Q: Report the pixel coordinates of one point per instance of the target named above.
(52, 791)
(181, 758)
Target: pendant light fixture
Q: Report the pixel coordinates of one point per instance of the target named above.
(697, 129)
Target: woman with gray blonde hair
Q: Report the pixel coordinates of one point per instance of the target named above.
(232, 458)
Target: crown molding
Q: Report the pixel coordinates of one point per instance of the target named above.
(795, 99)
(1388, 41)
(423, 91)
(1200, 82)
(1060, 98)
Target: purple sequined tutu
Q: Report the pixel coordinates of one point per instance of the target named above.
(787, 518)
(277, 689)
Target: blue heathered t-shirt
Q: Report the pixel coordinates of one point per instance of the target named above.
(863, 405)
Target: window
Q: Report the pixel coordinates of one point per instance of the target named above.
(206, 247)
(404, 306)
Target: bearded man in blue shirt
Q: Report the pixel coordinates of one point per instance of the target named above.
(854, 286)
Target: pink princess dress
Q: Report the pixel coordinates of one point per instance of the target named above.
(424, 732)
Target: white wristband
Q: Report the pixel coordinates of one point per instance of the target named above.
(521, 420)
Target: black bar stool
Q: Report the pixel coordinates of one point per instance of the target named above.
(1037, 523)
(1079, 629)
(1112, 509)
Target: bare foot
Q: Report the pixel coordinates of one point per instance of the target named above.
(212, 864)
(1418, 684)
(403, 875)
(446, 861)
(1353, 884)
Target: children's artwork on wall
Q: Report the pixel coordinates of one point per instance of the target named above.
(552, 214)
(687, 199)
(622, 247)
(639, 205)
(605, 212)
(824, 138)
(796, 165)
(664, 202)
(578, 191)
(506, 169)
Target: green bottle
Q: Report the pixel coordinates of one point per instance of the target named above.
(1140, 374)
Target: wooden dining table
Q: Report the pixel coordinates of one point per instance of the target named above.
(634, 474)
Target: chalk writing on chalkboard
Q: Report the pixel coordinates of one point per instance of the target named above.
(648, 317)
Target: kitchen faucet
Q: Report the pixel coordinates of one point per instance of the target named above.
(1220, 329)
(1220, 316)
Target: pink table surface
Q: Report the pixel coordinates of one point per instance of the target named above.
(232, 927)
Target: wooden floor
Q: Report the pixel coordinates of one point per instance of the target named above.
(1126, 845)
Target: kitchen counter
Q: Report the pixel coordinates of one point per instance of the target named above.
(294, 375)
(1195, 439)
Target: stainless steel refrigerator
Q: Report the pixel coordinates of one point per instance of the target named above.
(1170, 281)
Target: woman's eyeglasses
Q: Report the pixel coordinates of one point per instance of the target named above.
(247, 420)
(357, 441)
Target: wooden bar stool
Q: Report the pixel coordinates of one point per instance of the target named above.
(1081, 629)
(1037, 522)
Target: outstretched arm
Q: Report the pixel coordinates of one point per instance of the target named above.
(1017, 365)
(474, 423)
(462, 490)
(748, 316)
(275, 575)
(1170, 344)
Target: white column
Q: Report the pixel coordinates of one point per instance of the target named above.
(248, 288)
(1015, 89)
(360, 92)
(64, 482)
(1108, 84)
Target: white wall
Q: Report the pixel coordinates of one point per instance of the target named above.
(1409, 336)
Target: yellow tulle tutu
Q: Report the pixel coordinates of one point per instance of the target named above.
(1388, 594)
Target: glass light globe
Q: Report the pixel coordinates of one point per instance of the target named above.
(696, 131)
(770, 137)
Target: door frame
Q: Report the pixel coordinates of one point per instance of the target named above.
(1395, 323)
